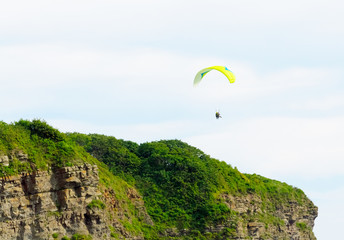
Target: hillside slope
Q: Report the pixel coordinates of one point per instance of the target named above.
(76, 186)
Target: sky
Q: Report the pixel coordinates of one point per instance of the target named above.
(126, 68)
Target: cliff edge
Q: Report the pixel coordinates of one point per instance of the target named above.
(77, 186)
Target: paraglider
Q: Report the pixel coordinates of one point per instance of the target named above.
(228, 73)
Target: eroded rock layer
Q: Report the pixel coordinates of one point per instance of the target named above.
(37, 205)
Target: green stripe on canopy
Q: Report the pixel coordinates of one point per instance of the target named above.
(228, 73)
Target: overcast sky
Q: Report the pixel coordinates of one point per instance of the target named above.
(125, 69)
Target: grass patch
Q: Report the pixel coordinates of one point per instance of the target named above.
(301, 226)
(96, 204)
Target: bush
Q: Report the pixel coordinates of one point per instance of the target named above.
(42, 129)
(96, 204)
(81, 237)
(301, 225)
(119, 155)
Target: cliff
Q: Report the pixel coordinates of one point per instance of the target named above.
(76, 186)
(290, 220)
(63, 202)
(39, 205)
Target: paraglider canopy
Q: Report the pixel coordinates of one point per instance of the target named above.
(228, 73)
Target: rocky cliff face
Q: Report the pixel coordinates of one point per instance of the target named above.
(35, 206)
(290, 220)
(56, 203)
(59, 203)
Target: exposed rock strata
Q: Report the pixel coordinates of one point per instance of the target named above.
(290, 221)
(38, 205)
(34, 206)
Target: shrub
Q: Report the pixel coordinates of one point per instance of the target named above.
(301, 225)
(96, 204)
(42, 129)
(78, 236)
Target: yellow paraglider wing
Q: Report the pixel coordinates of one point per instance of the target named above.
(228, 73)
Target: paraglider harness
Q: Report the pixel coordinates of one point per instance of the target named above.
(217, 115)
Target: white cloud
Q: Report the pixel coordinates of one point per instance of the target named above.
(278, 147)
(321, 103)
(44, 65)
(330, 212)
(59, 76)
(194, 18)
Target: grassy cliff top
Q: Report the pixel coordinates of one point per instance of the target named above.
(181, 185)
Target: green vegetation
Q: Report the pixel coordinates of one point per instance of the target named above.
(182, 187)
(301, 225)
(81, 237)
(76, 236)
(96, 204)
(45, 147)
(55, 214)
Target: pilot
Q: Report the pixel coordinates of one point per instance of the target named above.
(217, 115)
